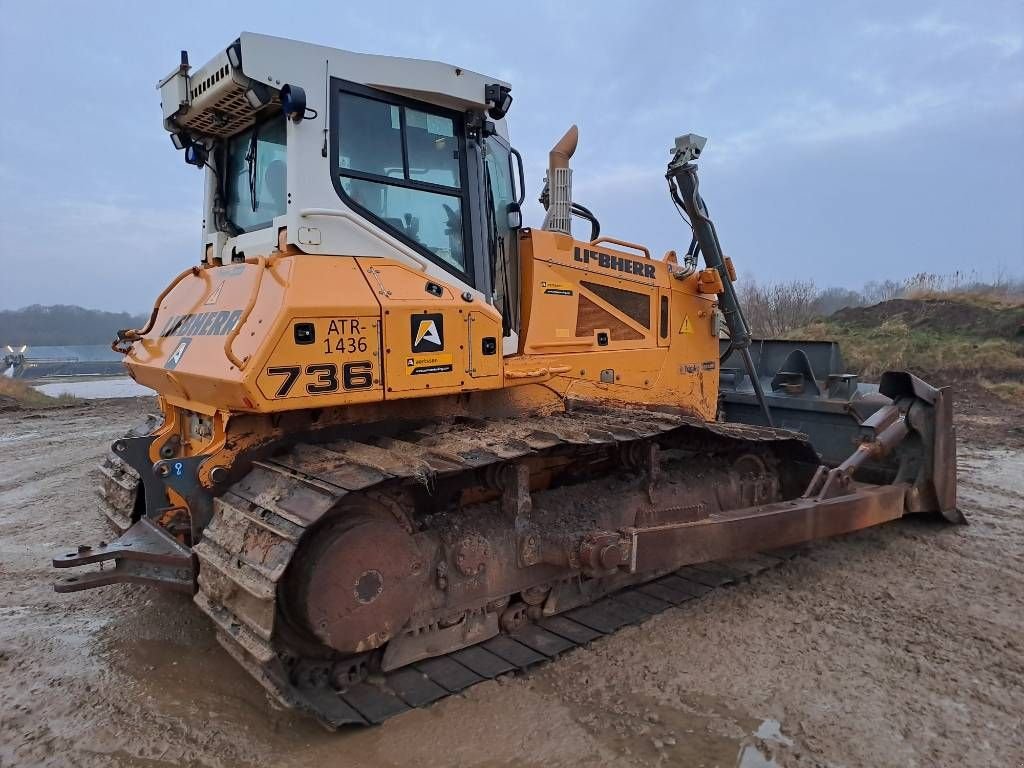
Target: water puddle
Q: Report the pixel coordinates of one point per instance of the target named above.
(92, 389)
(758, 753)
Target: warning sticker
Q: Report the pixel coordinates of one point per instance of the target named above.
(687, 326)
(420, 364)
(557, 289)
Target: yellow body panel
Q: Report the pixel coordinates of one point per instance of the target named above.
(659, 344)
(303, 332)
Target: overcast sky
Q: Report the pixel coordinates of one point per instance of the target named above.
(849, 141)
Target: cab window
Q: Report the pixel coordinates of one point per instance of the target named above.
(504, 246)
(257, 171)
(403, 166)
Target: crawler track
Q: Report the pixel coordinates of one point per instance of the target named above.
(258, 523)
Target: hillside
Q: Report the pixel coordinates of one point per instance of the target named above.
(61, 325)
(967, 339)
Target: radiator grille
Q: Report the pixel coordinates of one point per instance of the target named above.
(632, 304)
(591, 317)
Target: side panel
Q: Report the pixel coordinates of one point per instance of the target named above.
(433, 339)
(581, 298)
(625, 328)
(334, 359)
(325, 348)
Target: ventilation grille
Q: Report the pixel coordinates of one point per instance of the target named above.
(630, 303)
(225, 117)
(591, 317)
(198, 89)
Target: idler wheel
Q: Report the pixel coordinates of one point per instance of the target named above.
(357, 583)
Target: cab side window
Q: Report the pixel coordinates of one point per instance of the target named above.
(404, 167)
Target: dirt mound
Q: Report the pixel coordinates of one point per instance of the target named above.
(947, 339)
(965, 315)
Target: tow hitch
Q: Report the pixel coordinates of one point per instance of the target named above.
(143, 554)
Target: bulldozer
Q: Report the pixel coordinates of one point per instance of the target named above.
(406, 443)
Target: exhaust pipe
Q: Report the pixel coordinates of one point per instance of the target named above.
(559, 215)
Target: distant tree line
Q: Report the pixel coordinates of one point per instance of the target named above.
(62, 324)
(775, 309)
(772, 309)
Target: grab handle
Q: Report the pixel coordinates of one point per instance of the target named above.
(262, 264)
(624, 244)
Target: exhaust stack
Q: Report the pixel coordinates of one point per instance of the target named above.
(559, 215)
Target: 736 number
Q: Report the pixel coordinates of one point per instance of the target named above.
(324, 377)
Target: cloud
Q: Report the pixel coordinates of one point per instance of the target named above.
(824, 121)
(918, 73)
(599, 181)
(956, 37)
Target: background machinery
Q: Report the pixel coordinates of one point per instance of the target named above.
(407, 443)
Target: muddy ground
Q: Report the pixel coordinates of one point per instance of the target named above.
(901, 646)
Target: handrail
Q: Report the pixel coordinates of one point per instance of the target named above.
(623, 243)
(581, 342)
(262, 264)
(132, 336)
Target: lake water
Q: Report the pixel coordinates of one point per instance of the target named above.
(91, 389)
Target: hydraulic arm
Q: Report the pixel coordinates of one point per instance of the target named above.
(684, 188)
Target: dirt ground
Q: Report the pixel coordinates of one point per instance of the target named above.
(902, 646)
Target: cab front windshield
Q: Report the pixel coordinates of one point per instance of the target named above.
(255, 183)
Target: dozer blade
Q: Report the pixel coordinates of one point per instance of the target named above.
(809, 391)
(143, 555)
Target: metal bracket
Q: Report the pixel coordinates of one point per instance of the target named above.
(134, 451)
(143, 554)
(182, 476)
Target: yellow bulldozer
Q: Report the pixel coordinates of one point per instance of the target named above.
(407, 443)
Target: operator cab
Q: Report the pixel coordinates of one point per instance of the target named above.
(330, 152)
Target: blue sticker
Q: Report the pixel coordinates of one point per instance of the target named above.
(178, 467)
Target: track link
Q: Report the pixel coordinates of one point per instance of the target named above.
(258, 523)
(119, 482)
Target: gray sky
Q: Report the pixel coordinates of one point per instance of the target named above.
(849, 141)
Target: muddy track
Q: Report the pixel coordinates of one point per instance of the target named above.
(420, 684)
(258, 523)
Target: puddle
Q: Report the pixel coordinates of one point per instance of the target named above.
(771, 730)
(91, 389)
(752, 756)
